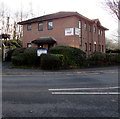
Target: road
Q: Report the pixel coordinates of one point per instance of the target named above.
(84, 93)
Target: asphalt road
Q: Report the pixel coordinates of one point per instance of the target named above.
(61, 94)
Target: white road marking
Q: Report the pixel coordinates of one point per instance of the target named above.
(72, 89)
(85, 93)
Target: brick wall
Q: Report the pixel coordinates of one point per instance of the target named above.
(58, 32)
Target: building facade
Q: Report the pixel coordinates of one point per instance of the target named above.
(64, 28)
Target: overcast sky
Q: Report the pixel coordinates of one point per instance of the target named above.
(90, 8)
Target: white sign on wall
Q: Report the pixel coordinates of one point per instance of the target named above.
(69, 31)
(77, 31)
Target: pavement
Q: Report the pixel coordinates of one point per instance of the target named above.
(6, 70)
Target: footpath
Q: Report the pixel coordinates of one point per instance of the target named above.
(15, 71)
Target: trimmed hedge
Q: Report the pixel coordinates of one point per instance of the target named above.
(96, 59)
(102, 59)
(72, 56)
(27, 56)
(19, 59)
(17, 51)
(49, 61)
(61, 57)
(31, 56)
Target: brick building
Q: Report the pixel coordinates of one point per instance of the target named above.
(64, 28)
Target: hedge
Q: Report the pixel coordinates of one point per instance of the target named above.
(61, 57)
(102, 59)
(72, 56)
(27, 56)
(50, 62)
(19, 59)
(31, 56)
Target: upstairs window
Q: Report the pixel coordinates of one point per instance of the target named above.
(85, 27)
(50, 25)
(102, 33)
(29, 27)
(40, 26)
(80, 25)
(99, 32)
(94, 29)
(89, 28)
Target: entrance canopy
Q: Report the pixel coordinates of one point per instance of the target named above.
(44, 40)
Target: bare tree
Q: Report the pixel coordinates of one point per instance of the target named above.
(113, 6)
(9, 19)
(110, 44)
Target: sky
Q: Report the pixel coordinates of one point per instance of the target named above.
(92, 9)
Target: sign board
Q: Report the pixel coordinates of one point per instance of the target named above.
(77, 31)
(41, 51)
(69, 31)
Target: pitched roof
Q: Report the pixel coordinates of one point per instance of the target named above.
(52, 16)
(98, 23)
(56, 16)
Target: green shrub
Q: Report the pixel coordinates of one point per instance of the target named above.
(102, 59)
(96, 59)
(113, 58)
(9, 55)
(26, 56)
(18, 57)
(19, 60)
(61, 57)
(17, 51)
(50, 62)
(98, 56)
(118, 58)
(72, 56)
(31, 56)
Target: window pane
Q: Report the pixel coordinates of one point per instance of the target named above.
(94, 29)
(80, 25)
(29, 27)
(40, 27)
(89, 28)
(85, 27)
(99, 32)
(50, 25)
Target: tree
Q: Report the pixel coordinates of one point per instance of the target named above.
(113, 6)
(110, 44)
